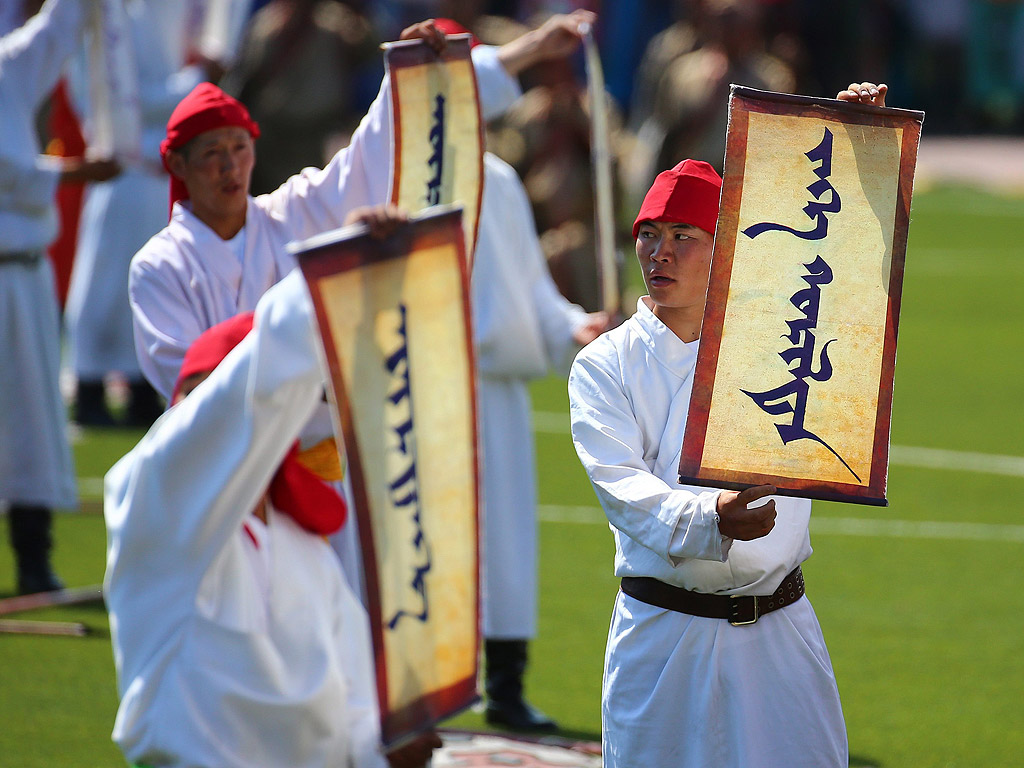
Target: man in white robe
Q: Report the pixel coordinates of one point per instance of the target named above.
(222, 249)
(237, 640)
(523, 328)
(693, 675)
(210, 264)
(118, 218)
(36, 472)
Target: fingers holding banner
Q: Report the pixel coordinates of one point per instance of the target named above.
(426, 31)
(382, 221)
(865, 93)
(739, 521)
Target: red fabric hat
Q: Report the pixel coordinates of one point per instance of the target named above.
(452, 27)
(294, 490)
(206, 108)
(687, 194)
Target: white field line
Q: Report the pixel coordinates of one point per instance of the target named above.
(836, 526)
(549, 422)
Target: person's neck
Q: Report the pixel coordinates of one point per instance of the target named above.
(226, 226)
(684, 322)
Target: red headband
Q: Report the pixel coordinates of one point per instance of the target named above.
(687, 194)
(206, 108)
(294, 490)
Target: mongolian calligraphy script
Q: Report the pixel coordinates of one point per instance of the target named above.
(815, 209)
(393, 316)
(436, 159)
(403, 485)
(776, 402)
(808, 267)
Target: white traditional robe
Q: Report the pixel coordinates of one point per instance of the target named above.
(120, 215)
(35, 459)
(684, 690)
(523, 328)
(235, 644)
(186, 278)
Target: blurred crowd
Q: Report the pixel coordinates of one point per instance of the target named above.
(668, 65)
(308, 69)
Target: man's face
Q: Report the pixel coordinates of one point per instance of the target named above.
(676, 262)
(216, 167)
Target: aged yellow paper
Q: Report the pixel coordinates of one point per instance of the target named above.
(398, 327)
(801, 304)
(438, 139)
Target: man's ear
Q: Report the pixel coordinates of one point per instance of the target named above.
(176, 163)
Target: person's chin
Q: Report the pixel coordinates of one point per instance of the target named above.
(661, 290)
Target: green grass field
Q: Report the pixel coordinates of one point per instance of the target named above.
(920, 602)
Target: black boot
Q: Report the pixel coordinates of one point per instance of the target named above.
(144, 405)
(32, 541)
(91, 404)
(504, 665)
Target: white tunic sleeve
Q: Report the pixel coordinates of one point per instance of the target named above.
(31, 59)
(174, 501)
(497, 88)
(673, 523)
(164, 319)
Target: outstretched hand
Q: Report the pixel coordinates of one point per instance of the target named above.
(382, 220)
(595, 324)
(85, 169)
(865, 93)
(737, 521)
(426, 31)
(556, 38)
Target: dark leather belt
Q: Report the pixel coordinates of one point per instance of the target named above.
(736, 609)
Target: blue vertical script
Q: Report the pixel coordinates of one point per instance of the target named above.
(403, 485)
(436, 159)
(816, 209)
(801, 358)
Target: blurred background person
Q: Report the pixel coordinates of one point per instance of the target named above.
(307, 71)
(120, 215)
(36, 470)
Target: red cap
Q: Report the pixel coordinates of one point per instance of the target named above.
(206, 108)
(687, 194)
(452, 27)
(294, 490)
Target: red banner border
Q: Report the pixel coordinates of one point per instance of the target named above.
(743, 101)
(341, 251)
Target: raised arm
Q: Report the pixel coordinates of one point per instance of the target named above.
(174, 501)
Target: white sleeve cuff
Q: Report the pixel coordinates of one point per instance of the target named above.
(697, 535)
(498, 89)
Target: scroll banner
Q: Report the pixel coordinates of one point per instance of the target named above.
(394, 321)
(793, 384)
(116, 120)
(438, 132)
(601, 161)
